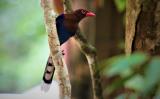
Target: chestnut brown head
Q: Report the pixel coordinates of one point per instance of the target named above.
(82, 13)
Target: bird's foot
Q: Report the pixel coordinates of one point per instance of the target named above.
(63, 52)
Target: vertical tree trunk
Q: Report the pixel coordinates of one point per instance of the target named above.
(143, 26)
(109, 30)
(56, 54)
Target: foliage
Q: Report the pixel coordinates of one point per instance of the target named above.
(23, 44)
(132, 76)
(120, 4)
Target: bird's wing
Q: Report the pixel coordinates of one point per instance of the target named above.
(64, 32)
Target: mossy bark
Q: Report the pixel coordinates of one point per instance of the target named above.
(143, 26)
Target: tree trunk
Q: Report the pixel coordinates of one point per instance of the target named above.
(56, 53)
(109, 30)
(143, 29)
(143, 26)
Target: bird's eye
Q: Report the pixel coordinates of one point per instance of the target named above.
(83, 11)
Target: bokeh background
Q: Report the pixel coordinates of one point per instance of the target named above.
(24, 51)
(23, 44)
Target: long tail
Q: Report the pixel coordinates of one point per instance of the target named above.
(48, 74)
(49, 71)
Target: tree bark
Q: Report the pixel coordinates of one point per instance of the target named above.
(143, 29)
(58, 61)
(132, 12)
(143, 26)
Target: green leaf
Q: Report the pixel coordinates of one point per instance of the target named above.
(152, 74)
(123, 65)
(126, 96)
(121, 96)
(120, 4)
(136, 83)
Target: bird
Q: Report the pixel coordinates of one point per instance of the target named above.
(67, 25)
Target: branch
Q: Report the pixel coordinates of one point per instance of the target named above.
(90, 54)
(132, 12)
(61, 68)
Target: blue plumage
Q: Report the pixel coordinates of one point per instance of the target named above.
(63, 33)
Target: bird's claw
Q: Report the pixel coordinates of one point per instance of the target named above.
(63, 52)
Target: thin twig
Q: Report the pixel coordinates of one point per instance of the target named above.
(90, 54)
(60, 66)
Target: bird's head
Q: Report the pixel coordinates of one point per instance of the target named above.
(82, 13)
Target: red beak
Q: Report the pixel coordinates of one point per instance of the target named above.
(90, 14)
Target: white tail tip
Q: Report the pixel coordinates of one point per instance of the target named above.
(45, 87)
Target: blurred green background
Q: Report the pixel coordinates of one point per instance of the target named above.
(23, 44)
